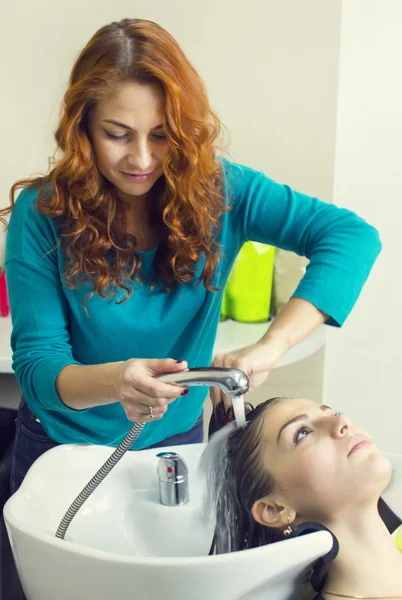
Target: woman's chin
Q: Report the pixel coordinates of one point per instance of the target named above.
(379, 469)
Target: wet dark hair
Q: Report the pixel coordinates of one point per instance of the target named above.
(236, 479)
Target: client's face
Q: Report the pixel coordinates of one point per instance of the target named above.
(323, 465)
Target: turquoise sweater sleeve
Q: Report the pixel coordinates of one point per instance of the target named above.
(341, 247)
(41, 337)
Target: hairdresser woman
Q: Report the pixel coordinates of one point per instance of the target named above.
(116, 261)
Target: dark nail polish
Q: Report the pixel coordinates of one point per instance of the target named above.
(184, 392)
(180, 361)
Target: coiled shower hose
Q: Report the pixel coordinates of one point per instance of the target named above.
(98, 478)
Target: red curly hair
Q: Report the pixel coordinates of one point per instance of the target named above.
(188, 198)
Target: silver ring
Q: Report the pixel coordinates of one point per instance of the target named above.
(151, 412)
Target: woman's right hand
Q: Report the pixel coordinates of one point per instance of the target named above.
(138, 389)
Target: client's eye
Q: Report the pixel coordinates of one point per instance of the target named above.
(300, 434)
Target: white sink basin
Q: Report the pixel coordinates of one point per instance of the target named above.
(123, 543)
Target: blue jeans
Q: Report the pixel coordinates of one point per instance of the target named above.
(31, 441)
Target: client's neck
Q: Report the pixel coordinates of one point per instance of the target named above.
(368, 563)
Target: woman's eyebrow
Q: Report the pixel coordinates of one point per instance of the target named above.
(298, 418)
(323, 407)
(119, 124)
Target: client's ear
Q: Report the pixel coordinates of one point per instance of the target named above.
(272, 513)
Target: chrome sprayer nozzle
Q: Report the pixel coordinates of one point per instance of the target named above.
(232, 382)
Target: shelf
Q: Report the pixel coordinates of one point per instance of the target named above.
(231, 336)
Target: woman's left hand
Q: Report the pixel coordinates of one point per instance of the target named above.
(256, 361)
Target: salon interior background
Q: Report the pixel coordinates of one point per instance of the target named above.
(310, 92)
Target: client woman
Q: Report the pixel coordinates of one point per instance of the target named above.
(296, 462)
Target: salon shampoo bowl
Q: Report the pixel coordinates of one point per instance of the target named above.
(124, 544)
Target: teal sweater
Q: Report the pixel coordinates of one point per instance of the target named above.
(52, 330)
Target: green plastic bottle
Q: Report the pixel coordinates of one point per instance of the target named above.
(247, 297)
(398, 539)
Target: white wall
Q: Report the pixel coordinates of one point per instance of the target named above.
(363, 366)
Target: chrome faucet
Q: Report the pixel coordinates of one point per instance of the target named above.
(232, 382)
(173, 479)
(172, 470)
